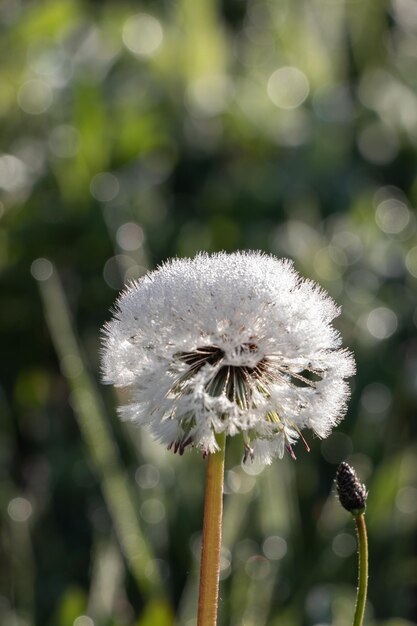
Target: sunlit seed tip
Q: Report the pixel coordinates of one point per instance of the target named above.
(291, 452)
(248, 454)
(303, 439)
(352, 493)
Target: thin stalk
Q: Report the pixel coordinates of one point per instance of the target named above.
(212, 537)
(362, 569)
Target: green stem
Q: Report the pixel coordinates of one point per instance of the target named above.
(362, 569)
(212, 537)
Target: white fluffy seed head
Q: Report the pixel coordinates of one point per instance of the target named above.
(228, 342)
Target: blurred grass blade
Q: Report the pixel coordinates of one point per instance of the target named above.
(93, 424)
(22, 568)
(258, 594)
(106, 582)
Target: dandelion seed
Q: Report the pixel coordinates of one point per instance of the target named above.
(236, 343)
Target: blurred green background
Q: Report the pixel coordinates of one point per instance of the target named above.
(134, 131)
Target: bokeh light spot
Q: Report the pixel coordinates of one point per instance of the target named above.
(411, 261)
(64, 141)
(225, 562)
(83, 620)
(209, 95)
(324, 264)
(377, 144)
(333, 103)
(392, 216)
(19, 509)
(288, 87)
(361, 286)
(121, 268)
(405, 12)
(318, 603)
(142, 34)
(41, 269)
(406, 500)
(152, 511)
(35, 97)
(274, 547)
(257, 567)
(232, 482)
(343, 545)
(350, 244)
(130, 236)
(238, 481)
(13, 173)
(104, 187)
(387, 258)
(376, 398)
(157, 567)
(71, 365)
(253, 468)
(382, 322)
(147, 476)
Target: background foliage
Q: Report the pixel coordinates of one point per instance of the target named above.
(134, 131)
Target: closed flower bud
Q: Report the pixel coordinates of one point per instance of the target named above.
(352, 494)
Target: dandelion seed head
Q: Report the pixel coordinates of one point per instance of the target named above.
(228, 342)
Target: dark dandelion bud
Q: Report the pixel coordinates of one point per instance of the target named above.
(352, 494)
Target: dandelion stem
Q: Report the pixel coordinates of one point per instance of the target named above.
(212, 536)
(362, 569)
